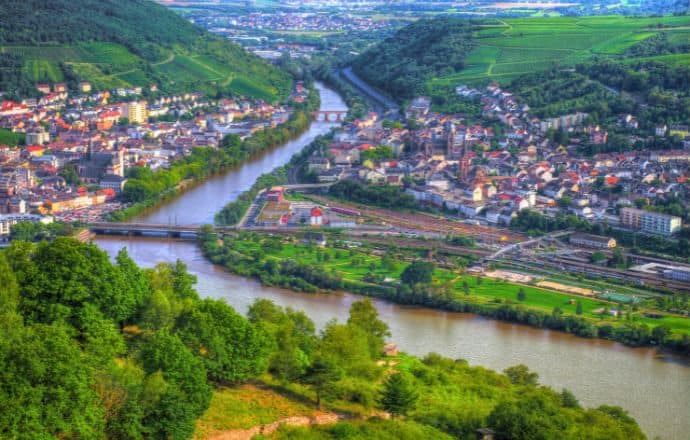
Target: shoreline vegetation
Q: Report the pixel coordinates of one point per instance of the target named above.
(123, 352)
(304, 267)
(146, 189)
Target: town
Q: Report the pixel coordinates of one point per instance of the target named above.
(471, 172)
(76, 150)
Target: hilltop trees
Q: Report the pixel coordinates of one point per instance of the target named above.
(73, 365)
(92, 349)
(365, 316)
(402, 63)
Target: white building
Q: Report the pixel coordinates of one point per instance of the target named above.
(7, 220)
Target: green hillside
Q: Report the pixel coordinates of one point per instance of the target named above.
(503, 50)
(120, 43)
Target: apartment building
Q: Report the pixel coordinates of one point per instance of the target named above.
(652, 222)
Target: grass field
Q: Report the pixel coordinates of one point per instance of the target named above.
(525, 45)
(353, 265)
(246, 406)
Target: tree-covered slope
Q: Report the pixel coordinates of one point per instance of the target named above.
(120, 43)
(402, 64)
(97, 349)
(434, 56)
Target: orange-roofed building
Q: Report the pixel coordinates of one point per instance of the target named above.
(35, 150)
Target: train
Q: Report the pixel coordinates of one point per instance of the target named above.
(346, 211)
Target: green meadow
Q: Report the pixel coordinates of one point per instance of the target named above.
(358, 265)
(525, 45)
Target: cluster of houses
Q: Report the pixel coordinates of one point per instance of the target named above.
(470, 171)
(77, 149)
(222, 20)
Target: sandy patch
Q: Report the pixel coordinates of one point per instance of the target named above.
(565, 288)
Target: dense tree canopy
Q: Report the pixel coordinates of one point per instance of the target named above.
(402, 63)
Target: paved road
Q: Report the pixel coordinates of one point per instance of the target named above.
(387, 106)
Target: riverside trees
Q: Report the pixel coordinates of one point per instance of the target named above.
(95, 349)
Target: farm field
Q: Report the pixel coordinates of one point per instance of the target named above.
(356, 266)
(525, 45)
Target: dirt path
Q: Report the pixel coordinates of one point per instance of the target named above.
(323, 418)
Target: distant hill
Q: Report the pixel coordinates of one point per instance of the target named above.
(434, 56)
(121, 43)
(402, 63)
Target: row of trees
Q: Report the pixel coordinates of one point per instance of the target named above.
(385, 196)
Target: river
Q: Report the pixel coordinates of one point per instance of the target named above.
(654, 388)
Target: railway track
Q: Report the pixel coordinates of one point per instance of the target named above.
(429, 223)
(577, 265)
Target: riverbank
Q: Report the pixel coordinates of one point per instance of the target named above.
(234, 211)
(146, 189)
(598, 371)
(289, 263)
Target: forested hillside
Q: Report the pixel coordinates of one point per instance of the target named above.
(402, 64)
(119, 43)
(434, 56)
(93, 349)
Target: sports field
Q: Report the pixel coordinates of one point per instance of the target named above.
(522, 45)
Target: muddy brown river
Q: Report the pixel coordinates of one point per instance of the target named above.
(654, 388)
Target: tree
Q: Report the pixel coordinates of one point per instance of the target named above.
(364, 315)
(597, 256)
(398, 396)
(533, 417)
(182, 395)
(46, 387)
(521, 295)
(65, 274)
(578, 308)
(293, 335)
(231, 348)
(466, 287)
(417, 272)
(569, 399)
(661, 333)
(520, 375)
(387, 262)
(9, 289)
(321, 374)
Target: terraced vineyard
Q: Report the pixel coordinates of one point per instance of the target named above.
(517, 46)
(121, 44)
